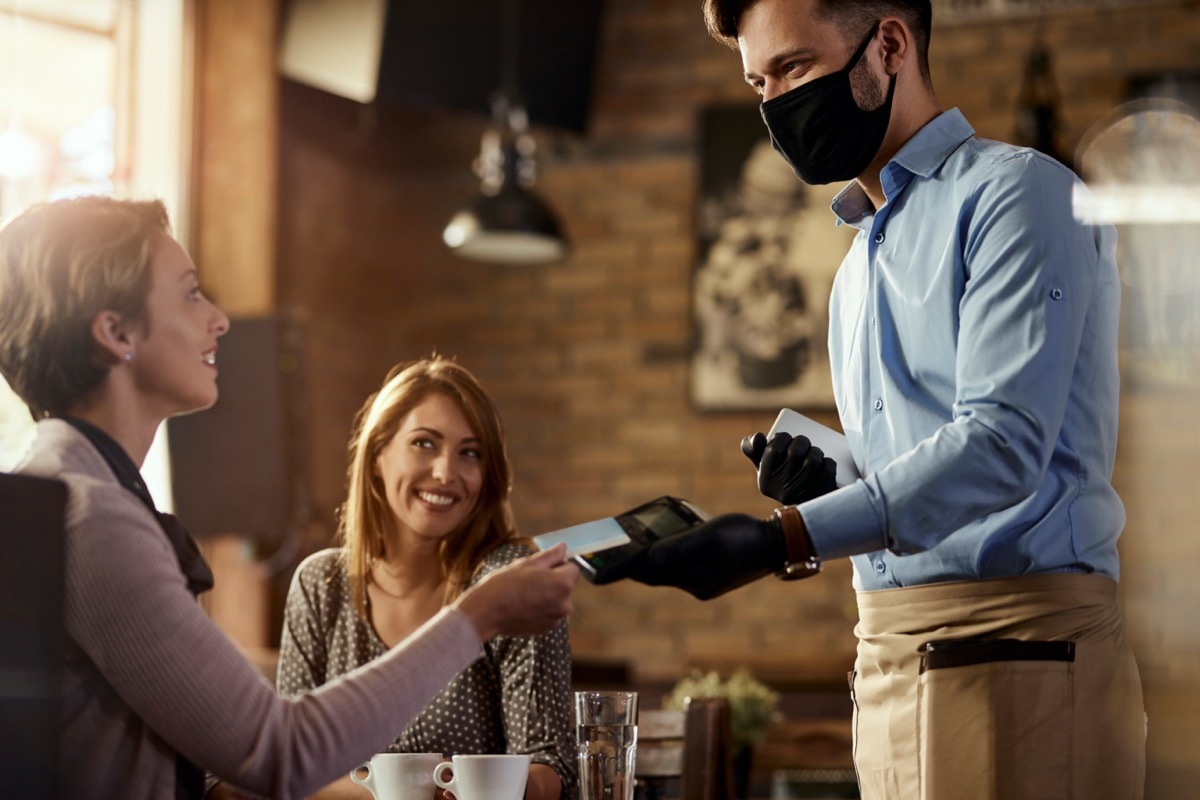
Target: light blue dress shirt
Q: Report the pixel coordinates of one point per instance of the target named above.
(973, 341)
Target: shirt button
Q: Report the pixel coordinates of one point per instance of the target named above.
(879, 237)
(1056, 294)
(880, 567)
(879, 404)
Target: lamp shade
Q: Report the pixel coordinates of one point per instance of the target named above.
(512, 226)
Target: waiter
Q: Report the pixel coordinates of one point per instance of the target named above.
(973, 345)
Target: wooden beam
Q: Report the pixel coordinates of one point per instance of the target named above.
(235, 166)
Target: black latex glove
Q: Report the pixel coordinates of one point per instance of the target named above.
(716, 557)
(790, 470)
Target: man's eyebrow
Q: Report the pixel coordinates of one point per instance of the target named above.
(796, 54)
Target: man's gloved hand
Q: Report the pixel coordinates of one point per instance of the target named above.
(790, 470)
(715, 557)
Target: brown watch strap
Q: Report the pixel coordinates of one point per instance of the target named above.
(802, 557)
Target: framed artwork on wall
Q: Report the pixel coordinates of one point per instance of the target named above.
(767, 251)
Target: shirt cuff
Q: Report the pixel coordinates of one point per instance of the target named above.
(844, 522)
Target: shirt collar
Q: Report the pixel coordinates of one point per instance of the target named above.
(123, 467)
(191, 561)
(922, 155)
(929, 148)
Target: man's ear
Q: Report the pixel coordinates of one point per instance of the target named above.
(897, 42)
(111, 337)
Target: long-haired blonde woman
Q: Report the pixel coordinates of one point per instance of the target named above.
(104, 333)
(427, 516)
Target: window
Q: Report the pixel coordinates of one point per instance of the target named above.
(93, 98)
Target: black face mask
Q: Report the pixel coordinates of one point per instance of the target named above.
(821, 132)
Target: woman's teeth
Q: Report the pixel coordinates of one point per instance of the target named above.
(435, 499)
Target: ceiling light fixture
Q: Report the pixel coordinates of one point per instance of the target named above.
(508, 223)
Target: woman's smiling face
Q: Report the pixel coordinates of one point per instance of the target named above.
(431, 470)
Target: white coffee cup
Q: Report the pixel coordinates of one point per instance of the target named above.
(484, 777)
(398, 776)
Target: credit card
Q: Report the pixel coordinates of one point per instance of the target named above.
(589, 537)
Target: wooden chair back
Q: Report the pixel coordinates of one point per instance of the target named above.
(692, 748)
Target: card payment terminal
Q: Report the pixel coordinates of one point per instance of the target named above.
(631, 531)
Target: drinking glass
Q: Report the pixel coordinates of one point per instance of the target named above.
(606, 734)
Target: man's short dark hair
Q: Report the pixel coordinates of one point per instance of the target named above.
(854, 17)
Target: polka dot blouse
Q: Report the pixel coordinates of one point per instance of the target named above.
(515, 699)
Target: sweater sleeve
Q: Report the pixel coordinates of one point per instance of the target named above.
(129, 610)
(535, 687)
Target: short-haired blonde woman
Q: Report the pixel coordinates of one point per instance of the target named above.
(426, 517)
(104, 333)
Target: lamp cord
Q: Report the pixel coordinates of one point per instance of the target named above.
(509, 50)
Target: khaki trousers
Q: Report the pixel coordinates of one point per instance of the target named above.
(997, 721)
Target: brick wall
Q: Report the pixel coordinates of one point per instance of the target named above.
(588, 360)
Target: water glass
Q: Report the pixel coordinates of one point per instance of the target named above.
(606, 734)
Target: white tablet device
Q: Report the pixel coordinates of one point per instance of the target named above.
(832, 443)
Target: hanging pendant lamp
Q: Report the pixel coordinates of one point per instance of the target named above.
(508, 223)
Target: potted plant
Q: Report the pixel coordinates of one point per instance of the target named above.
(753, 708)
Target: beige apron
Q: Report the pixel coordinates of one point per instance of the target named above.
(1011, 720)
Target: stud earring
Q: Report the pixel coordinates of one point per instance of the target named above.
(128, 356)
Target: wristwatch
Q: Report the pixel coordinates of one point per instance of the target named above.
(802, 561)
